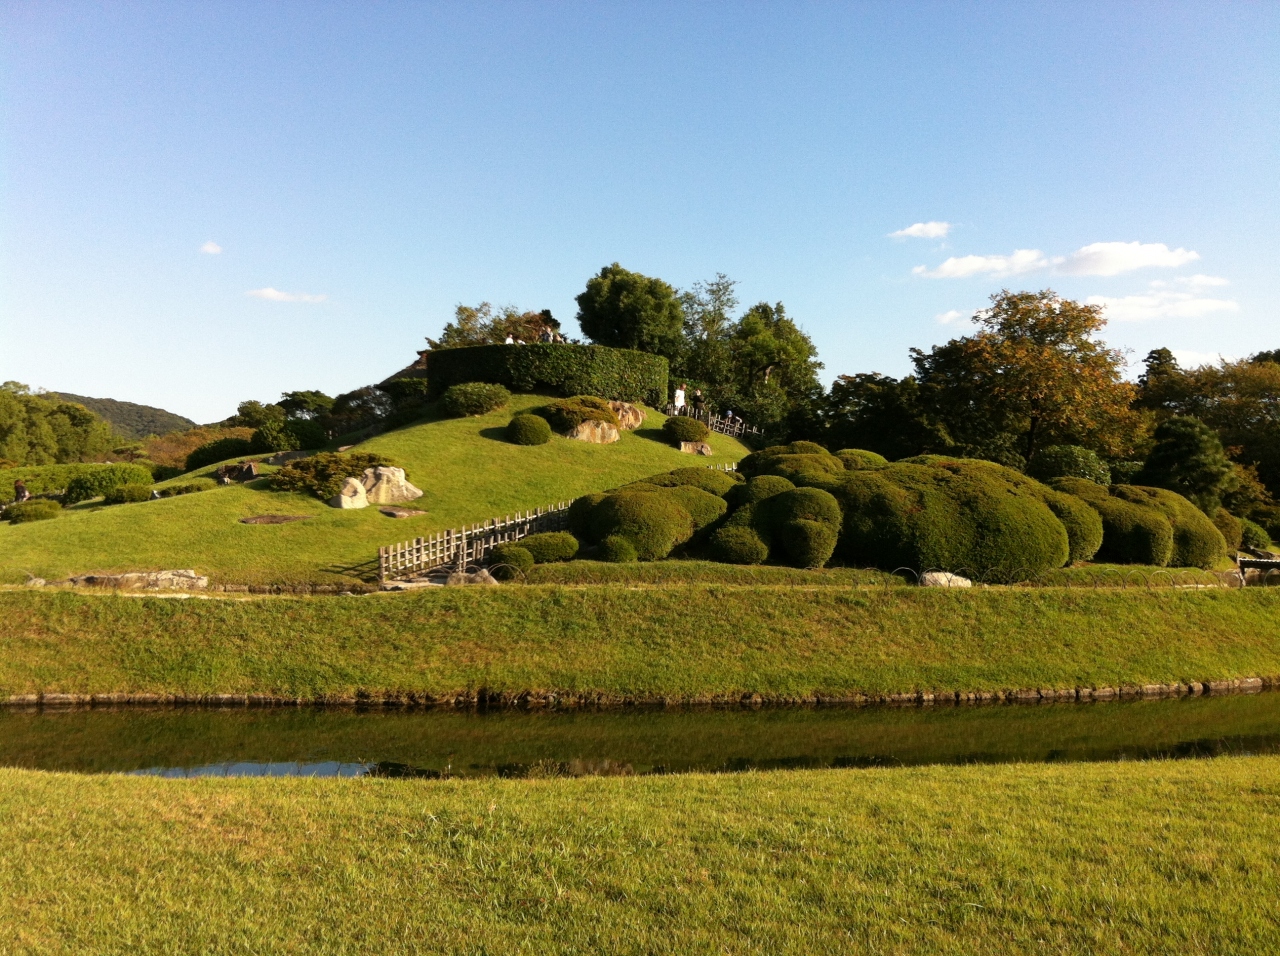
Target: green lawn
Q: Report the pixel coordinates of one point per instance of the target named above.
(1138, 858)
(618, 643)
(465, 469)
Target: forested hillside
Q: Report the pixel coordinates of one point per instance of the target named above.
(132, 420)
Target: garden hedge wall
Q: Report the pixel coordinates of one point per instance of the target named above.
(617, 374)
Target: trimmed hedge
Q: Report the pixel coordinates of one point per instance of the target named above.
(39, 509)
(127, 494)
(1196, 542)
(1232, 528)
(508, 561)
(653, 522)
(802, 525)
(704, 507)
(618, 374)
(89, 480)
(528, 430)
(550, 546)
(856, 459)
(618, 550)
(708, 479)
(580, 515)
(757, 489)
(1253, 535)
(1082, 523)
(1068, 461)
(737, 545)
(187, 487)
(323, 475)
(679, 428)
(1131, 533)
(220, 449)
(473, 398)
(568, 413)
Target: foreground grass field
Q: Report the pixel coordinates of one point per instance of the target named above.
(618, 643)
(467, 472)
(1104, 858)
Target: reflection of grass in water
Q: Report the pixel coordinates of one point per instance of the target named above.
(550, 744)
(1107, 858)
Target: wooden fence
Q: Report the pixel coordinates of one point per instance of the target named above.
(468, 545)
(735, 428)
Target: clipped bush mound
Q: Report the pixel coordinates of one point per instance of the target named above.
(757, 489)
(653, 522)
(1082, 523)
(855, 459)
(75, 482)
(323, 475)
(1196, 542)
(220, 449)
(187, 488)
(39, 509)
(1232, 528)
(679, 428)
(737, 545)
(127, 494)
(568, 413)
(801, 462)
(704, 507)
(1131, 533)
(618, 374)
(708, 479)
(618, 550)
(1068, 461)
(474, 398)
(528, 430)
(802, 526)
(580, 515)
(1253, 535)
(550, 546)
(510, 561)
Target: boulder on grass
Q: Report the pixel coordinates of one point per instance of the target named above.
(352, 495)
(696, 448)
(629, 416)
(943, 579)
(598, 433)
(386, 485)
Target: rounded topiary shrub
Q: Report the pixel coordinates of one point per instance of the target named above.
(704, 507)
(757, 489)
(474, 398)
(1253, 535)
(1196, 542)
(708, 479)
(568, 413)
(1131, 533)
(803, 525)
(855, 459)
(1068, 461)
(789, 460)
(1082, 523)
(806, 544)
(95, 483)
(618, 550)
(187, 488)
(551, 546)
(580, 515)
(737, 545)
(1124, 472)
(528, 430)
(508, 562)
(127, 494)
(679, 428)
(40, 509)
(220, 449)
(653, 522)
(1231, 527)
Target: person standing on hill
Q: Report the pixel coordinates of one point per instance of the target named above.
(699, 403)
(20, 492)
(679, 401)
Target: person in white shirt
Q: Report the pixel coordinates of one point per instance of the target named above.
(510, 339)
(679, 402)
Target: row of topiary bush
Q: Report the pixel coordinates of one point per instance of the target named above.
(73, 483)
(514, 559)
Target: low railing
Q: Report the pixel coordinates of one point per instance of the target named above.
(733, 427)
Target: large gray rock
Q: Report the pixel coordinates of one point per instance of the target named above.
(696, 448)
(352, 495)
(629, 416)
(598, 433)
(943, 579)
(386, 485)
(480, 577)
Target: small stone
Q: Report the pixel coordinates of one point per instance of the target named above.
(943, 579)
(696, 448)
(400, 512)
(352, 495)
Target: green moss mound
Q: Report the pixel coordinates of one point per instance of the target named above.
(510, 561)
(679, 428)
(528, 430)
(549, 546)
(1068, 461)
(708, 479)
(618, 550)
(737, 545)
(654, 523)
(41, 509)
(1196, 542)
(127, 494)
(704, 507)
(568, 413)
(1131, 533)
(856, 459)
(757, 489)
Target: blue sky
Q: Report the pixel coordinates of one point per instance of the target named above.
(365, 167)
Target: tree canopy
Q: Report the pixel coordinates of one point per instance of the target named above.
(37, 429)
(628, 310)
(484, 325)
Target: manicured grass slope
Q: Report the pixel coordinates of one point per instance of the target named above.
(1105, 858)
(619, 642)
(467, 472)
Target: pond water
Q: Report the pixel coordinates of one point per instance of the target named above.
(190, 742)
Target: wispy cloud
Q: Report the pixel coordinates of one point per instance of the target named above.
(275, 295)
(211, 248)
(961, 267)
(1160, 302)
(923, 230)
(951, 315)
(1188, 358)
(1113, 258)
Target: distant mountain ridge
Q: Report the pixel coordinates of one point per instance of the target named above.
(132, 420)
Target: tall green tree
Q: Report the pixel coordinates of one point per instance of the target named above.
(1188, 458)
(628, 310)
(38, 429)
(882, 414)
(484, 325)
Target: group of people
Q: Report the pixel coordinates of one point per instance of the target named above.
(547, 334)
(697, 406)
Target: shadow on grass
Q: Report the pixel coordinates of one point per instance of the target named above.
(366, 571)
(496, 433)
(653, 434)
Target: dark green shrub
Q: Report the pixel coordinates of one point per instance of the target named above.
(1231, 527)
(405, 392)
(528, 430)
(757, 489)
(580, 515)
(802, 525)
(618, 550)
(1068, 461)
(704, 507)
(617, 374)
(1124, 472)
(127, 494)
(1188, 459)
(855, 459)
(100, 480)
(568, 413)
(1131, 533)
(1082, 523)
(1253, 535)
(510, 561)
(737, 545)
(1196, 542)
(291, 434)
(187, 487)
(38, 509)
(474, 398)
(801, 504)
(323, 475)
(220, 449)
(806, 544)
(653, 522)
(551, 546)
(800, 456)
(708, 479)
(679, 428)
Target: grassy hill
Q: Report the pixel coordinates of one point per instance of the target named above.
(131, 420)
(466, 470)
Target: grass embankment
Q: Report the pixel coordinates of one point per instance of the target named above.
(682, 642)
(467, 473)
(1104, 858)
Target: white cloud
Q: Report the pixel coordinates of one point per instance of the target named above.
(961, 267)
(1190, 359)
(1113, 258)
(951, 315)
(1161, 303)
(275, 295)
(1198, 282)
(211, 248)
(923, 230)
